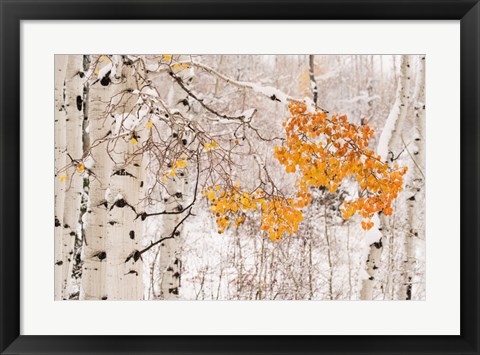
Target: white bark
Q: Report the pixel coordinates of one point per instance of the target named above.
(416, 181)
(124, 229)
(74, 182)
(389, 147)
(60, 162)
(93, 286)
(390, 141)
(313, 81)
(373, 260)
(170, 262)
(177, 189)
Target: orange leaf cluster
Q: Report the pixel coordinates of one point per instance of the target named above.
(278, 214)
(325, 151)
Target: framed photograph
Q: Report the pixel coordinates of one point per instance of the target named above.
(239, 177)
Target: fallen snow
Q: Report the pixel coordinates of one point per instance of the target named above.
(386, 136)
(269, 91)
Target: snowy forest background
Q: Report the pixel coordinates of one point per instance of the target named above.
(147, 145)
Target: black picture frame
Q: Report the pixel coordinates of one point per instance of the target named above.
(12, 12)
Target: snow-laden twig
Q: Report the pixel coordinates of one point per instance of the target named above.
(272, 93)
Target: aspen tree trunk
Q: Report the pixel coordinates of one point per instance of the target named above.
(177, 190)
(415, 202)
(329, 253)
(93, 285)
(349, 264)
(389, 147)
(170, 262)
(217, 80)
(260, 294)
(60, 162)
(310, 267)
(74, 149)
(313, 81)
(390, 269)
(75, 267)
(239, 266)
(124, 280)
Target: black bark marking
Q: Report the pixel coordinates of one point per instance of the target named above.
(104, 204)
(409, 289)
(123, 172)
(120, 203)
(106, 80)
(135, 255)
(132, 234)
(101, 255)
(79, 103)
(378, 244)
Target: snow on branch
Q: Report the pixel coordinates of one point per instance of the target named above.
(268, 91)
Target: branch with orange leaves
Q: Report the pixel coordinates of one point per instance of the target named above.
(323, 152)
(327, 151)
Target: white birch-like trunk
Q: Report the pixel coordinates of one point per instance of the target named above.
(170, 262)
(93, 284)
(389, 147)
(178, 190)
(60, 162)
(74, 148)
(313, 81)
(373, 260)
(415, 201)
(124, 229)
